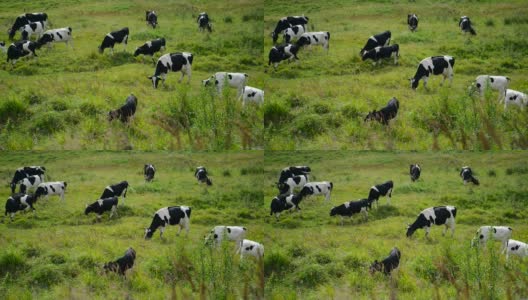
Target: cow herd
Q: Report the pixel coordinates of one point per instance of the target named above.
(297, 178)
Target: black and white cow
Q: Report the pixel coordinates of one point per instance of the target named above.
(465, 25)
(415, 171)
(350, 208)
(314, 38)
(63, 35)
(179, 61)
(293, 33)
(287, 22)
(381, 39)
(284, 202)
(282, 52)
(19, 49)
(26, 19)
(230, 233)
(151, 18)
(201, 175)
(25, 172)
(172, 215)
(467, 175)
(412, 21)
(51, 188)
(498, 233)
(102, 205)
(293, 171)
(149, 172)
(384, 189)
(18, 202)
(434, 65)
(33, 28)
(203, 22)
(125, 112)
(515, 97)
(387, 265)
(234, 80)
(440, 215)
(289, 185)
(498, 83)
(385, 114)
(30, 182)
(122, 264)
(119, 36)
(151, 47)
(381, 52)
(253, 95)
(516, 248)
(116, 190)
(317, 188)
(251, 248)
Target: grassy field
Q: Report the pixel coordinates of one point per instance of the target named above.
(62, 100)
(321, 101)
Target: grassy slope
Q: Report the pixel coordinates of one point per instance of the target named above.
(320, 102)
(61, 101)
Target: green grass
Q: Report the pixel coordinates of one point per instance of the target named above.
(61, 101)
(348, 88)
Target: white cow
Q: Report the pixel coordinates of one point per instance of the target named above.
(297, 181)
(30, 182)
(515, 97)
(51, 188)
(498, 83)
(317, 188)
(251, 248)
(230, 233)
(235, 80)
(293, 32)
(498, 233)
(33, 28)
(315, 38)
(57, 35)
(517, 248)
(252, 94)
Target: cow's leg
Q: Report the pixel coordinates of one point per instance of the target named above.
(179, 229)
(62, 196)
(365, 214)
(327, 197)
(445, 229)
(162, 229)
(342, 220)
(112, 50)
(189, 74)
(112, 211)
(427, 229)
(453, 229)
(451, 73)
(99, 218)
(425, 82)
(277, 216)
(71, 43)
(11, 216)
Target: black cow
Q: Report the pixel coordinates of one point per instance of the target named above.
(125, 112)
(102, 205)
(115, 190)
(440, 215)
(119, 36)
(26, 19)
(284, 202)
(19, 202)
(467, 175)
(152, 18)
(412, 21)
(291, 171)
(380, 52)
(173, 215)
(19, 49)
(151, 47)
(282, 52)
(382, 39)
(204, 22)
(385, 114)
(287, 22)
(465, 25)
(384, 189)
(201, 175)
(435, 65)
(123, 263)
(414, 171)
(347, 209)
(390, 263)
(179, 61)
(25, 172)
(149, 172)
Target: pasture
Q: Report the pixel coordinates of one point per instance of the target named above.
(61, 100)
(320, 101)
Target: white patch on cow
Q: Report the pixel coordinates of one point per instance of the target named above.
(100, 201)
(251, 248)
(149, 44)
(515, 98)
(375, 188)
(516, 248)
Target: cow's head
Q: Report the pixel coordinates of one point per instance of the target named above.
(155, 81)
(3, 46)
(207, 81)
(283, 187)
(46, 38)
(88, 209)
(111, 267)
(113, 114)
(303, 40)
(373, 115)
(136, 53)
(367, 54)
(376, 266)
(410, 230)
(333, 211)
(148, 233)
(414, 83)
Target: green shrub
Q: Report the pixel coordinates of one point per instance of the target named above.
(490, 23)
(228, 19)
(57, 258)
(58, 105)
(322, 258)
(275, 113)
(11, 109)
(89, 109)
(321, 108)
(226, 173)
(308, 126)
(276, 262)
(351, 112)
(48, 122)
(310, 276)
(297, 250)
(44, 275)
(12, 263)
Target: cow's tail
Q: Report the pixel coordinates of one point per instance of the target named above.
(188, 213)
(454, 212)
(475, 180)
(209, 182)
(452, 62)
(190, 58)
(472, 31)
(69, 29)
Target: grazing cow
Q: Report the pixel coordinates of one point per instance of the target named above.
(317, 188)
(380, 52)
(415, 171)
(252, 94)
(179, 61)
(230, 233)
(287, 22)
(19, 49)
(25, 172)
(235, 80)
(517, 248)
(381, 39)
(125, 112)
(498, 83)
(102, 205)
(51, 188)
(349, 208)
(123, 263)
(467, 175)
(30, 182)
(282, 52)
(384, 189)
(204, 22)
(465, 25)
(284, 202)
(293, 32)
(515, 97)
(201, 175)
(19, 202)
(172, 215)
(152, 18)
(390, 263)
(412, 21)
(56, 36)
(314, 38)
(151, 47)
(251, 248)
(149, 172)
(435, 65)
(385, 114)
(119, 36)
(33, 28)
(293, 171)
(116, 190)
(296, 181)
(498, 233)
(26, 19)
(440, 215)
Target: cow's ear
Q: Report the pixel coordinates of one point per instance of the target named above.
(86, 205)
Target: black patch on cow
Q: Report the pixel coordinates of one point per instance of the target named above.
(491, 79)
(315, 38)
(297, 179)
(249, 248)
(494, 230)
(481, 236)
(52, 188)
(229, 76)
(228, 230)
(515, 248)
(32, 180)
(478, 85)
(216, 82)
(60, 36)
(215, 236)
(318, 188)
(252, 94)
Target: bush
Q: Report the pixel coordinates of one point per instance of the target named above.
(276, 262)
(490, 23)
(297, 250)
(275, 113)
(226, 173)
(11, 110)
(321, 108)
(310, 276)
(309, 126)
(57, 258)
(322, 258)
(228, 19)
(45, 275)
(48, 122)
(11, 262)
(351, 112)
